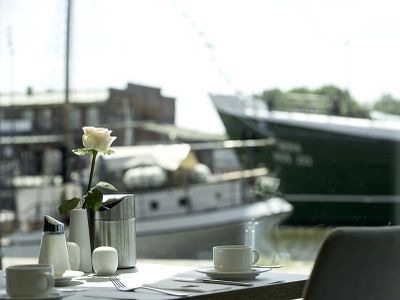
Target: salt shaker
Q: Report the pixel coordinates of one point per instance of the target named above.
(53, 247)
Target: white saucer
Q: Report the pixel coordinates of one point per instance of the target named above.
(214, 274)
(67, 277)
(54, 295)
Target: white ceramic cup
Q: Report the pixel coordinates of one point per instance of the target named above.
(29, 280)
(105, 260)
(234, 258)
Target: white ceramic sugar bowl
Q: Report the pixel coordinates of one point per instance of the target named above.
(74, 253)
(105, 260)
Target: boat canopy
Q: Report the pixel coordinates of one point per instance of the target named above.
(168, 157)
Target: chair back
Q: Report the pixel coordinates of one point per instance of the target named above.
(357, 263)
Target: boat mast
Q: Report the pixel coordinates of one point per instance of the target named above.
(67, 105)
(67, 50)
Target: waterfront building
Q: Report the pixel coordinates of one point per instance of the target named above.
(38, 130)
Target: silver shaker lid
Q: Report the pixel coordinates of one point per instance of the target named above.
(52, 225)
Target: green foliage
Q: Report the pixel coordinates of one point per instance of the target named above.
(67, 205)
(327, 99)
(106, 186)
(93, 138)
(343, 102)
(272, 98)
(93, 199)
(300, 90)
(83, 151)
(108, 152)
(388, 104)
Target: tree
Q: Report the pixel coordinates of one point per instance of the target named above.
(327, 99)
(271, 97)
(388, 104)
(342, 103)
(301, 90)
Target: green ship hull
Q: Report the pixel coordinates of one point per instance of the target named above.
(330, 176)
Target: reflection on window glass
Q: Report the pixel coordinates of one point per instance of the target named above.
(27, 114)
(92, 116)
(75, 118)
(45, 120)
(264, 122)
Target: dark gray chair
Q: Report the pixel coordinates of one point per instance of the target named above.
(357, 263)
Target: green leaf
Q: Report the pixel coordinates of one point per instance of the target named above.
(106, 186)
(82, 151)
(108, 152)
(67, 205)
(93, 199)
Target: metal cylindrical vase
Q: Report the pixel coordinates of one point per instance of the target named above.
(79, 233)
(114, 225)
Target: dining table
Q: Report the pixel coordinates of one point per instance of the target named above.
(267, 285)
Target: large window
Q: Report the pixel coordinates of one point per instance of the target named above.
(284, 115)
(92, 116)
(45, 120)
(75, 118)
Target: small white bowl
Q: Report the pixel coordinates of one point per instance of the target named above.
(105, 260)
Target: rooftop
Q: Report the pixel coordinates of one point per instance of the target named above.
(53, 97)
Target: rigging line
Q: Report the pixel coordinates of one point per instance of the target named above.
(94, 37)
(1, 35)
(2, 173)
(207, 45)
(11, 49)
(57, 38)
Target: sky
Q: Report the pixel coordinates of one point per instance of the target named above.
(190, 48)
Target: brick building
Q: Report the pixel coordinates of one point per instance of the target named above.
(34, 127)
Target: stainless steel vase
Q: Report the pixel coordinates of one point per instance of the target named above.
(114, 225)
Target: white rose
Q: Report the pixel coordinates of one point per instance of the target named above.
(97, 138)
